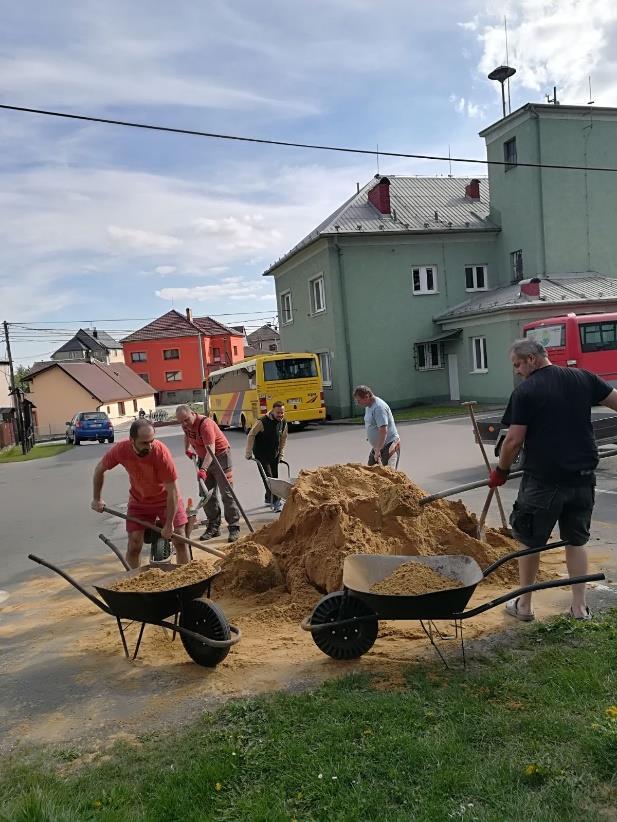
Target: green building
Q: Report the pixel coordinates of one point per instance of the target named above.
(417, 285)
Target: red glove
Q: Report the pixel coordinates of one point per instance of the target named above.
(203, 475)
(190, 454)
(497, 477)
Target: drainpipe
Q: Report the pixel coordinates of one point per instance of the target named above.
(536, 116)
(203, 372)
(341, 274)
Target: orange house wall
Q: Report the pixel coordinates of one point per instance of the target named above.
(188, 363)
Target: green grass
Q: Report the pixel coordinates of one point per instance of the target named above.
(527, 733)
(36, 453)
(427, 412)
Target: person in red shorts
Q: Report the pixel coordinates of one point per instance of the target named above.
(153, 490)
(200, 431)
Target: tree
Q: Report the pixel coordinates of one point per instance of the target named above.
(20, 372)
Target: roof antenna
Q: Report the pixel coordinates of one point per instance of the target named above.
(505, 26)
(449, 161)
(378, 159)
(590, 102)
(552, 99)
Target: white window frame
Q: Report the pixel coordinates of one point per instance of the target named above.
(474, 276)
(479, 366)
(427, 355)
(325, 378)
(423, 276)
(287, 317)
(317, 284)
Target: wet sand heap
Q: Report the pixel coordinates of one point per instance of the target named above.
(412, 579)
(339, 510)
(156, 579)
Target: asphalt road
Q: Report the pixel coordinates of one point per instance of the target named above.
(45, 504)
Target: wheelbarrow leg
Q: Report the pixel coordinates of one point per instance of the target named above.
(429, 632)
(122, 637)
(141, 633)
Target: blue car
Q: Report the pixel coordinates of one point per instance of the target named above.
(89, 425)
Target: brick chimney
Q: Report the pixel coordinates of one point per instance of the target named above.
(189, 315)
(530, 289)
(379, 195)
(472, 189)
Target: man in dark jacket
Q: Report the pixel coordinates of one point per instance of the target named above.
(266, 442)
(550, 412)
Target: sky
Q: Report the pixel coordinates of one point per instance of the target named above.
(110, 226)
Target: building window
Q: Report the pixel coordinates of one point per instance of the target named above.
(121, 409)
(171, 354)
(272, 347)
(173, 376)
(478, 354)
(509, 153)
(235, 350)
(429, 356)
(424, 279)
(286, 308)
(325, 367)
(198, 395)
(475, 278)
(134, 405)
(171, 396)
(108, 410)
(318, 295)
(516, 265)
(216, 354)
(139, 356)
(144, 377)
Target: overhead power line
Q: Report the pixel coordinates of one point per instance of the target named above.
(316, 147)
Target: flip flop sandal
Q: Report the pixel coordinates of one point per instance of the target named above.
(513, 611)
(587, 616)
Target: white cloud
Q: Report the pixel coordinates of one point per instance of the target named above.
(466, 107)
(552, 44)
(165, 269)
(142, 241)
(231, 288)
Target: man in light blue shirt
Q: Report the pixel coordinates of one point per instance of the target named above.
(380, 428)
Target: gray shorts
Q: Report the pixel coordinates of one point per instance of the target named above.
(390, 460)
(539, 506)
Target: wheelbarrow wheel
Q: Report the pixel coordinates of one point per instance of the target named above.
(347, 641)
(205, 618)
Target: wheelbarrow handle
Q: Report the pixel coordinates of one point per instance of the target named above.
(116, 551)
(213, 643)
(459, 489)
(538, 586)
(158, 530)
(98, 602)
(525, 552)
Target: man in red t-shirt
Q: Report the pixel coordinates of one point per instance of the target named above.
(153, 490)
(200, 431)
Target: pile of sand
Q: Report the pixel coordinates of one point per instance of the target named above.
(412, 579)
(248, 567)
(346, 509)
(156, 579)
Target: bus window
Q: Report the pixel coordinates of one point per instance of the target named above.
(550, 336)
(290, 369)
(601, 336)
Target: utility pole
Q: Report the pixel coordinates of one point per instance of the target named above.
(15, 392)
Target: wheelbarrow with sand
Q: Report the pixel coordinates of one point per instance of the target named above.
(344, 624)
(275, 485)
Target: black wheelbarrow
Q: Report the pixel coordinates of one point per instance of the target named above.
(344, 624)
(204, 630)
(275, 485)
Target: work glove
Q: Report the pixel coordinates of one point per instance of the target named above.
(248, 456)
(190, 454)
(497, 477)
(203, 475)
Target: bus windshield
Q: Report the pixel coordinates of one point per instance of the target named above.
(550, 336)
(296, 369)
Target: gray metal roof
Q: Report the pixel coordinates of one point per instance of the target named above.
(414, 202)
(556, 290)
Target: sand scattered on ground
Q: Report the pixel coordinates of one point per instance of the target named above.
(412, 579)
(159, 579)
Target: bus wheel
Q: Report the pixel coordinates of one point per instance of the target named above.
(245, 428)
(214, 419)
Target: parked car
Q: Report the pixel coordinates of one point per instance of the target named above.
(89, 425)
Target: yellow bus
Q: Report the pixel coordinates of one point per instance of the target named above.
(240, 394)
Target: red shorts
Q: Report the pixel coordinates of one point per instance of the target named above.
(150, 513)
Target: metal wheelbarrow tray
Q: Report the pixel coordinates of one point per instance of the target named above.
(344, 624)
(279, 487)
(204, 630)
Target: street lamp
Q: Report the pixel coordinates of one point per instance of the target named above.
(501, 74)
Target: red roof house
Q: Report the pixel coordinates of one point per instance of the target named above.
(166, 353)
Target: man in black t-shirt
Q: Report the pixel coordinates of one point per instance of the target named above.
(550, 412)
